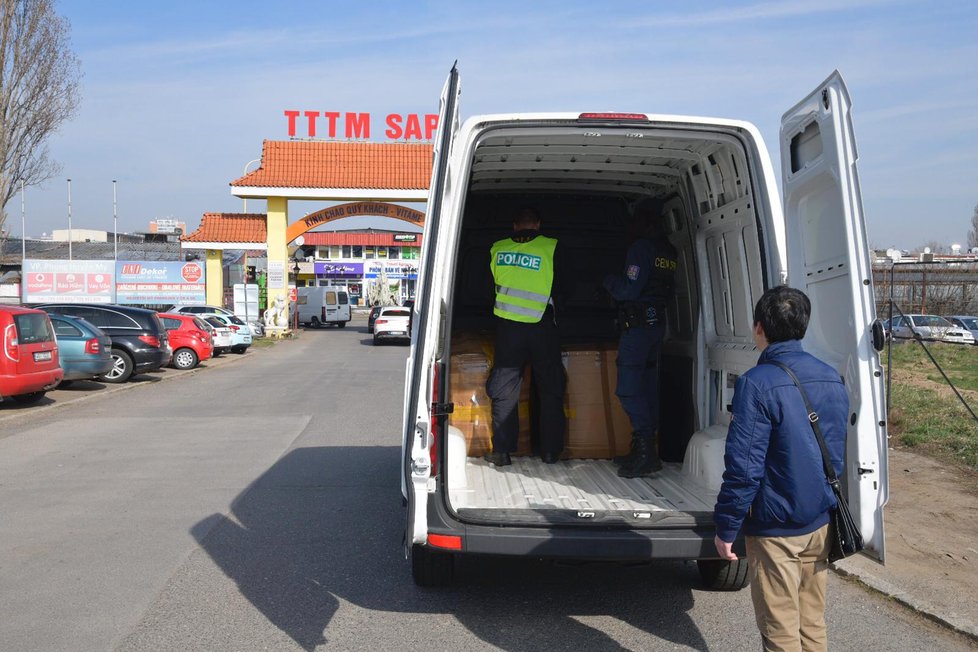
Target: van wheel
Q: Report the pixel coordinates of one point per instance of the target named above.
(315, 323)
(723, 575)
(29, 399)
(341, 324)
(431, 568)
(122, 367)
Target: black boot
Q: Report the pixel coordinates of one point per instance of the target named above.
(646, 460)
(626, 460)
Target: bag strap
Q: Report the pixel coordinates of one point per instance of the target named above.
(813, 420)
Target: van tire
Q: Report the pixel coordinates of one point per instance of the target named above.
(28, 399)
(431, 568)
(122, 368)
(315, 323)
(723, 575)
(341, 324)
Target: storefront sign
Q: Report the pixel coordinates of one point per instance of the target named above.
(394, 270)
(405, 237)
(155, 283)
(338, 269)
(326, 124)
(75, 281)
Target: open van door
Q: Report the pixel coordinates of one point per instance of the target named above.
(420, 381)
(828, 258)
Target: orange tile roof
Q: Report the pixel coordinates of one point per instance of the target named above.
(336, 164)
(229, 227)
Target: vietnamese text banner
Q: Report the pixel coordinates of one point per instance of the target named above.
(71, 281)
(159, 283)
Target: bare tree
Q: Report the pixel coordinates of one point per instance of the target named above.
(973, 233)
(39, 89)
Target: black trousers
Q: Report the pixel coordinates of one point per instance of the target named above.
(516, 344)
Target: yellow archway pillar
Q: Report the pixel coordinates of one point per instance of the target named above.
(277, 223)
(214, 277)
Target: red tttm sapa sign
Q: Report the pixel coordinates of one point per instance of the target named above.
(410, 126)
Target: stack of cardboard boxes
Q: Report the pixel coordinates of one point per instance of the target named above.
(597, 427)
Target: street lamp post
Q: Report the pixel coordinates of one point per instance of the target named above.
(244, 172)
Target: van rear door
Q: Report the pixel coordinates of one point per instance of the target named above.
(828, 258)
(420, 382)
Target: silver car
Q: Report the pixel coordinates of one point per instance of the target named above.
(966, 322)
(928, 327)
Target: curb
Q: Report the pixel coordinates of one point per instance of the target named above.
(952, 621)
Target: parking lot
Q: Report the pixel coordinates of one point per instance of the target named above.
(254, 503)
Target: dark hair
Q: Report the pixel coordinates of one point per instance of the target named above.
(526, 217)
(783, 313)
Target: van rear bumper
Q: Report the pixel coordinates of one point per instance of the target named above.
(583, 542)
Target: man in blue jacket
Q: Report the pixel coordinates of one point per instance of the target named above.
(774, 487)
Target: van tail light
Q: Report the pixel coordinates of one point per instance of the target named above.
(92, 346)
(11, 347)
(620, 117)
(152, 340)
(446, 541)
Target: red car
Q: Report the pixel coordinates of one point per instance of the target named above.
(189, 338)
(29, 364)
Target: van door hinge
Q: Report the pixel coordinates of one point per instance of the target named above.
(442, 409)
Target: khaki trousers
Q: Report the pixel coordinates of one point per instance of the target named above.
(787, 585)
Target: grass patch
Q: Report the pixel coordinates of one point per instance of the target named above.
(263, 342)
(925, 414)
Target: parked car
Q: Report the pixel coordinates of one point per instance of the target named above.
(240, 333)
(393, 323)
(255, 324)
(929, 327)
(85, 350)
(29, 366)
(220, 334)
(966, 322)
(372, 318)
(139, 341)
(189, 338)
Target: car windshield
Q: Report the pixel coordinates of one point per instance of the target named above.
(932, 321)
(214, 321)
(236, 320)
(33, 327)
(971, 323)
(396, 312)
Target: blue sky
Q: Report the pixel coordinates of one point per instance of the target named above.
(177, 97)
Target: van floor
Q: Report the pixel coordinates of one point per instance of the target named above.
(578, 485)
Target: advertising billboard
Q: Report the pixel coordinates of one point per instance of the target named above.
(394, 270)
(74, 281)
(159, 283)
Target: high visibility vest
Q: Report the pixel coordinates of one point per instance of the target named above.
(524, 275)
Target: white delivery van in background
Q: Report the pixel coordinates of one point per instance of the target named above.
(584, 172)
(322, 306)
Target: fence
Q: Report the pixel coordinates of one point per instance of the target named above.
(930, 288)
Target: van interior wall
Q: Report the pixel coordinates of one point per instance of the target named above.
(592, 231)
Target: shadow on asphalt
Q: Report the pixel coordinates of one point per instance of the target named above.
(81, 386)
(326, 524)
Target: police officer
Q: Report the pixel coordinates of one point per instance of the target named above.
(524, 270)
(641, 293)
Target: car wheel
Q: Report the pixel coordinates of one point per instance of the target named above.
(431, 568)
(723, 575)
(122, 367)
(341, 324)
(315, 323)
(184, 358)
(239, 349)
(29, 399)
(376, 340)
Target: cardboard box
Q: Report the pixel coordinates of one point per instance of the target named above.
(597, 426)
(469, 370)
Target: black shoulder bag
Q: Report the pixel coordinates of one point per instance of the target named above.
(845, 537)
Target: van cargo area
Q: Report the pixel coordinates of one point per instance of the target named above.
(584, 178)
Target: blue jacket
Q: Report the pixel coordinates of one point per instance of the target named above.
(650, 266)
(774, 484)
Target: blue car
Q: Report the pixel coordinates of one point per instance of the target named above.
(85, 351)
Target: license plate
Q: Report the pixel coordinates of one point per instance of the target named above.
(41, 356)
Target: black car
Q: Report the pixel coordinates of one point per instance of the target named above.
(139, 341)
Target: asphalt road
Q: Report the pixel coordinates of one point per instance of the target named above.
(255, 505)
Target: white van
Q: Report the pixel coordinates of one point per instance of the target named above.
(735, 238)
(321, 306)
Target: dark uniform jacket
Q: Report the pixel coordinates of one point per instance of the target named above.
(650, 266)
